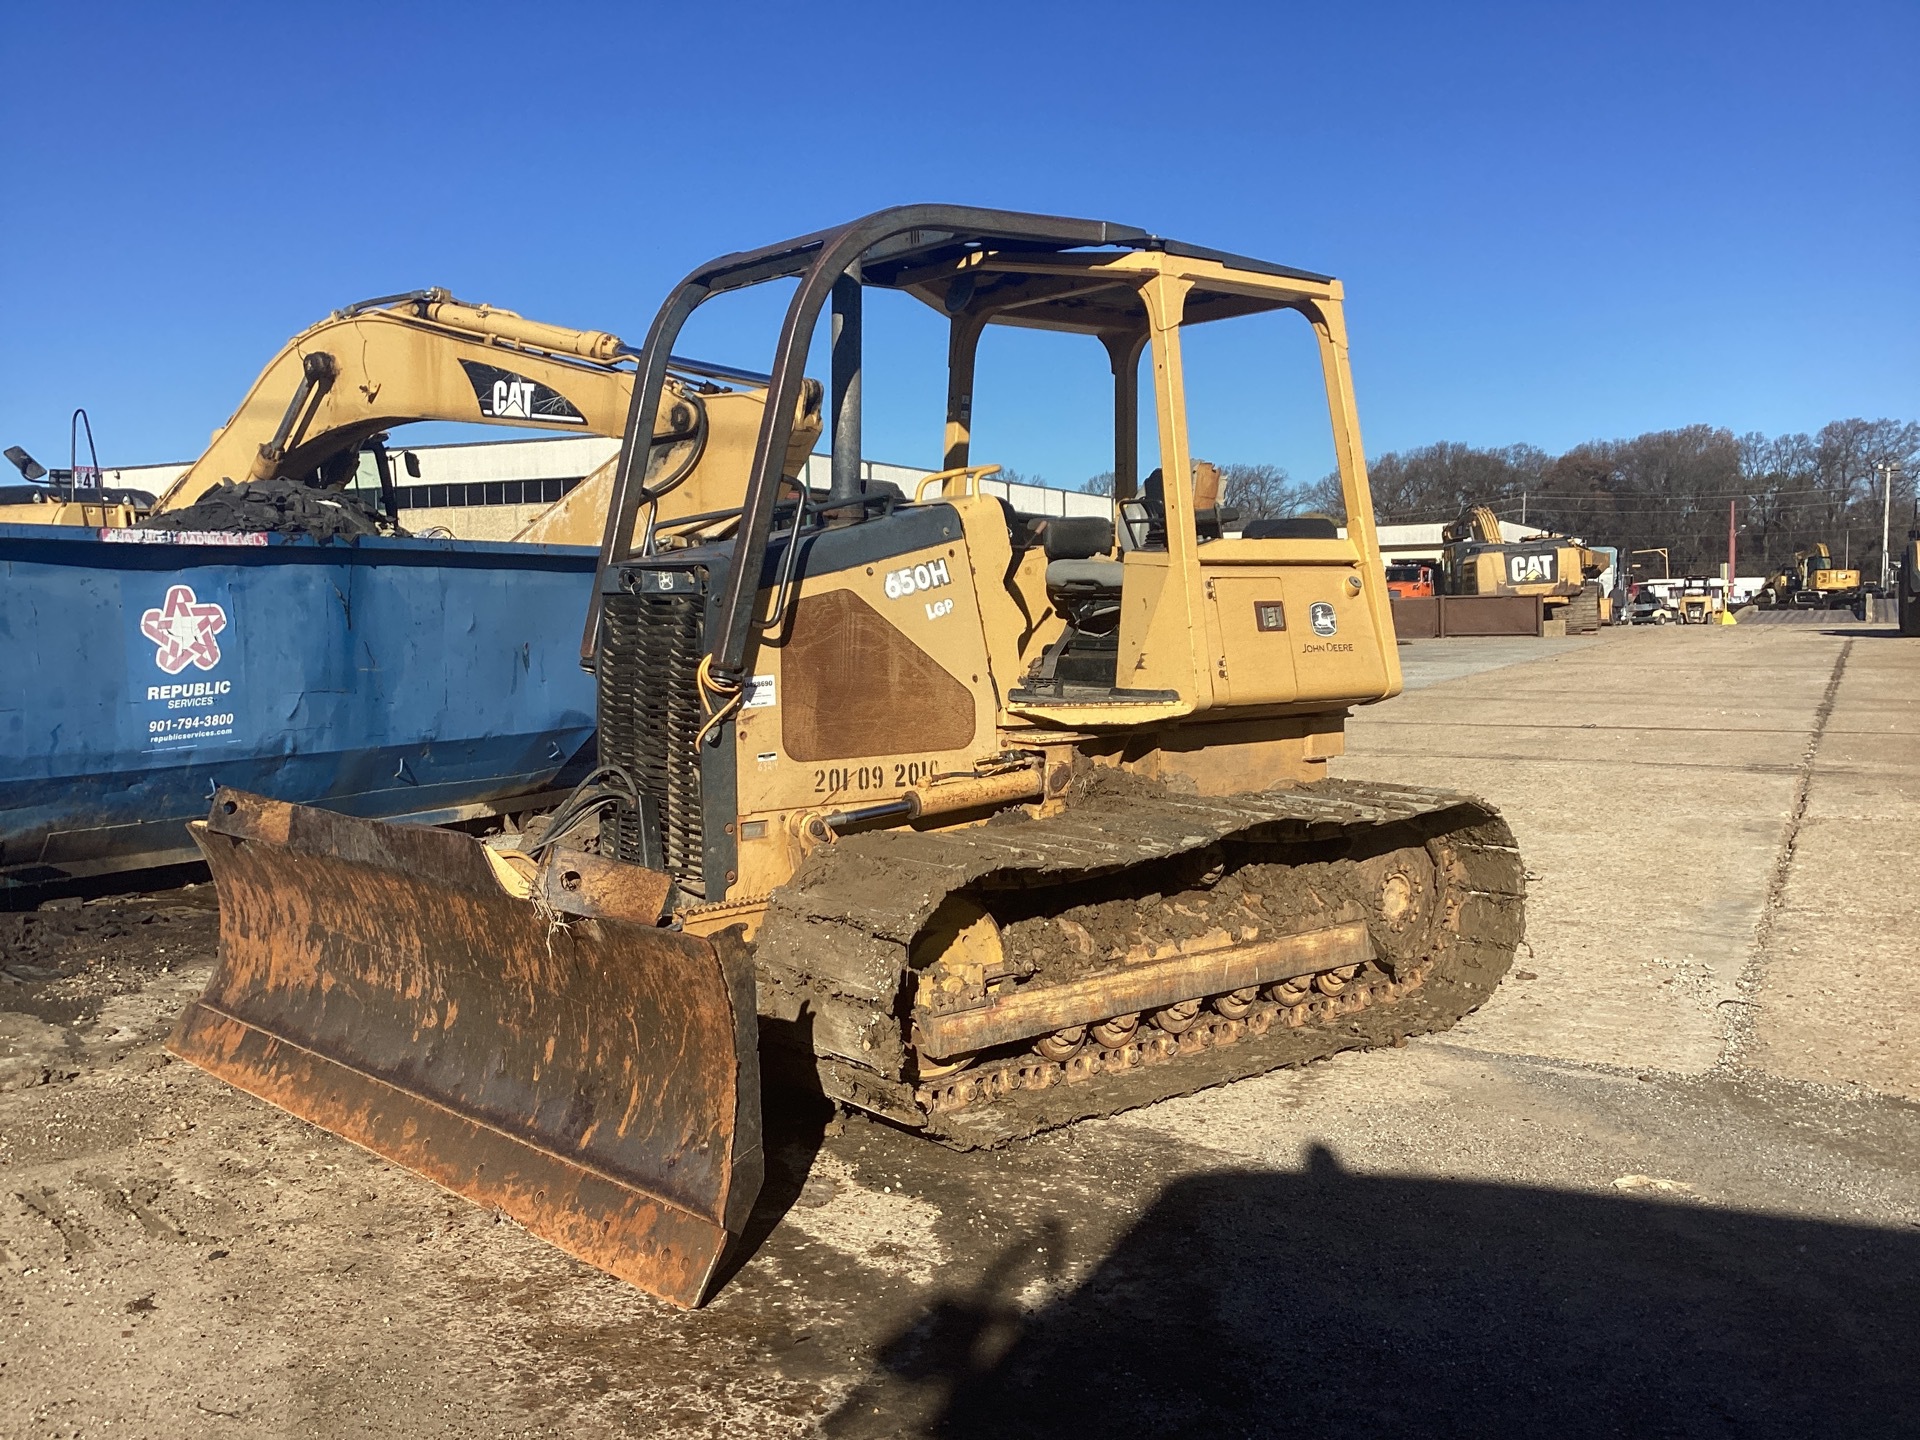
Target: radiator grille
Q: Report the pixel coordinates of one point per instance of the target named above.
(650, 652)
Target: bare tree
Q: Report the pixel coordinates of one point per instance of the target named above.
(1666, 488)
(1259, 492)
(1436, 482)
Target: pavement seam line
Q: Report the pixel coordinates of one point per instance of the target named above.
(1738, 1033)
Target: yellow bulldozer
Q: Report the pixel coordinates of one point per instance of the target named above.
(980, 821)
(1478, 560)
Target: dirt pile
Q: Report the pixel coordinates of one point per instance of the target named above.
(279, 507)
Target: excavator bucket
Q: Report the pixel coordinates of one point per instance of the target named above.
(557, 1055)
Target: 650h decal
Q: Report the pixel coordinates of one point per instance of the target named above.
(914, 578)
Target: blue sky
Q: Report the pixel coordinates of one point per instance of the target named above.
(1554, 222)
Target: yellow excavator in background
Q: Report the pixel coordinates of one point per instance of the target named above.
(55, 504)
(74, 496)
(334, 392)
(981, 821)
(1811, 582)
(1478, 560)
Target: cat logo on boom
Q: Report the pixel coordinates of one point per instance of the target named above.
(503, 395)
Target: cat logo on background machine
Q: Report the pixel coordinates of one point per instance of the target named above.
(1533, 567)
(1562, 571)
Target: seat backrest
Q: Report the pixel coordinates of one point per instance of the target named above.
(1291, 527)
(1072, 537)
(1206, 486)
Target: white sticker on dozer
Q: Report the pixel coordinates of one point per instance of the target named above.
(759, 693)
(913, 578)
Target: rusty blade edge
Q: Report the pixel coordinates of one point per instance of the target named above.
(604, 1220)
(585, 1167)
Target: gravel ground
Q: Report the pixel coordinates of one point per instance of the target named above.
(1566, 1217)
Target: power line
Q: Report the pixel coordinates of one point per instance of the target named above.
(1600, 510)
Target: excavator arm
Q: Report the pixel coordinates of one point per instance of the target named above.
(426, 356)
(423, 356)
(1477, 523)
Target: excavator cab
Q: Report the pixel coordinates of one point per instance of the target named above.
(978, 820)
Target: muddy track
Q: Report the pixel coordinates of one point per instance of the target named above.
(837, 943)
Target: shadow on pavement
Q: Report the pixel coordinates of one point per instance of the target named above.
(794, 1118)
(1328, 1303)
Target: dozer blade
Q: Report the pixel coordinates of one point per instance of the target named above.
(560, 1058)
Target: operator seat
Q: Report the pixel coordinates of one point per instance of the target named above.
(1082, 582)
(1083, 586)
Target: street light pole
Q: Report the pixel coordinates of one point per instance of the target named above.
(1888, 469)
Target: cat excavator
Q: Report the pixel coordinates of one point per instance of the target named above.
(980, 821)
(1565, 574)
(1811, 582)
(334, 391)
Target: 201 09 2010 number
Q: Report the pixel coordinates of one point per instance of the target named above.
(905, 774)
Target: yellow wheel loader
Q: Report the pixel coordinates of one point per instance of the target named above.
(332, 392)
(980, 821)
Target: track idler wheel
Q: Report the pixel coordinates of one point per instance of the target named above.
(1116, 1031)
(1296, 991)
(940, 1069)
(1332, 982)
(1062, 1044)
(1237, 1004)
(1177, 1019)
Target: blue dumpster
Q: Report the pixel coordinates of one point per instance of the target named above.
(432, 680)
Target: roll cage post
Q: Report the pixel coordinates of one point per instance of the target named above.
(819, 261)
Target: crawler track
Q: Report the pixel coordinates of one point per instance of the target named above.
(837, 953)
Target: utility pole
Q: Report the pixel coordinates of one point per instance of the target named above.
(1726, 595)
(1888, 469)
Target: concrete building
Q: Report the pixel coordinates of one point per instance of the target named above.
(1423, 543)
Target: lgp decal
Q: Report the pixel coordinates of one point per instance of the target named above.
(503, 395)
(183, 630)
(1322, 618)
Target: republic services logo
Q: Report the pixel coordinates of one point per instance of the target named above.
(183, 631)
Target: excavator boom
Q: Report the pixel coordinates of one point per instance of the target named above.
(383, 363)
